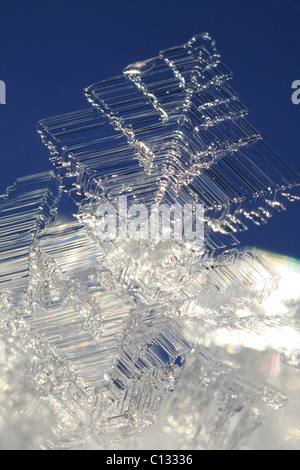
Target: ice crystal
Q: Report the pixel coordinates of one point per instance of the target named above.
(98, 334)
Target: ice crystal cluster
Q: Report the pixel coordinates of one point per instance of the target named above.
(102, 336)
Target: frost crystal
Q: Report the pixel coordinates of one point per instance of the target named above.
(103, 337)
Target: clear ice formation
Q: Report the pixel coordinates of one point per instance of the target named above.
(171, 129)
(99, 333)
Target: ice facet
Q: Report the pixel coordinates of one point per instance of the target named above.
(26, 208)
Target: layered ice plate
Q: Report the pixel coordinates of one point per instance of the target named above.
(169, 130)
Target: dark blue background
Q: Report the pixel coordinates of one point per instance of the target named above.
(51, 50)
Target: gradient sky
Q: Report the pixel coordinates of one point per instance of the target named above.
(52, 49)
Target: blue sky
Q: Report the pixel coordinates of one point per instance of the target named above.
(52, 49)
